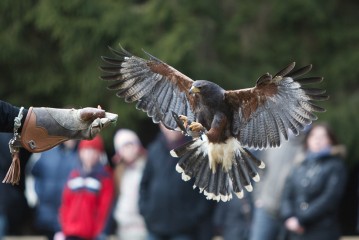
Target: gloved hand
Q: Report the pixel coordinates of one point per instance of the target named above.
(45, 128)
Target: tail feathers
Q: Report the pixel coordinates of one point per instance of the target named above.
(181, 150)
(236, 182)
(241, 166)
(189, 165)
(243, 169)
(251, 163)
(217, 185)
(194, 163)
(191, 158)
(251, 158)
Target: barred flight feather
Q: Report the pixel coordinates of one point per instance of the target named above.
(286, 70)
(166, 98)
(311, 106)
(151, 109)
(138, 74)
(157, 90)
(139, 89)
(296, 120)
(179, 107)
(309, 80)
(123, 84)
(300, 71)
(112, 61)
(123, 53)
(281, 125)
(112, 77)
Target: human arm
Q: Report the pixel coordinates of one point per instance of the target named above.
(287, 210)
(8, 113)
(44, 128)
(286, 207)
(39, 129)
(145, 183)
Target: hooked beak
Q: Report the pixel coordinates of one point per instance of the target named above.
(194, 90)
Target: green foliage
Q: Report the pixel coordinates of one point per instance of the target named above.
(50, 50)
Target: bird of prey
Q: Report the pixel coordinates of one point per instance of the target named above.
(223, 123)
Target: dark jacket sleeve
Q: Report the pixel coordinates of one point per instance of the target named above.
(144, 188)
(286, 209)
(329, 199)
(8, 113)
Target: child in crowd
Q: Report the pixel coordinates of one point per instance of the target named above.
(88, 194)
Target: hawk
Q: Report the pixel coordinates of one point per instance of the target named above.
(223, 123)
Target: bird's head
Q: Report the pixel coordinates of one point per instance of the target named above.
(207, 92)
(205, 88)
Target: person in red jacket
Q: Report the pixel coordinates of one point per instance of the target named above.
(88, 195)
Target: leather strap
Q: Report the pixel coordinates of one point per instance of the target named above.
(34, 137)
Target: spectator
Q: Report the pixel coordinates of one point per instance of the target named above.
(171, 209)
(234, 218)
(314, 189)
(47, 173)
(129, 164)
(88, 194)
(267, 223)
(14, 211)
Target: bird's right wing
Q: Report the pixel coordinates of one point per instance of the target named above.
(158, 88)
(273, 106)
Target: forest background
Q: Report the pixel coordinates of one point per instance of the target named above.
(50, 50)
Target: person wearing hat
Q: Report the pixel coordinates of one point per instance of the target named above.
(88, 194)
(129, 160)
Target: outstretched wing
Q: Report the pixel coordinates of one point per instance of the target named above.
(273, 106)
(158, 88)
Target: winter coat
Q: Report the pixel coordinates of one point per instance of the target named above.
(86, 203)
(51, 170)
(169, 204)
(279, 162)
(312, 194)
(130, 223)
(13, 205)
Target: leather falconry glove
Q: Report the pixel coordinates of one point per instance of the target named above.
(44, 128)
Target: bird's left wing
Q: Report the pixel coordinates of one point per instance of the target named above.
(158, 88)
(273, 106)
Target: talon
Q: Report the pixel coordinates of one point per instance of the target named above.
(196, 127)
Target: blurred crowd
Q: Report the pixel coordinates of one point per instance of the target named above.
(77, 191)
